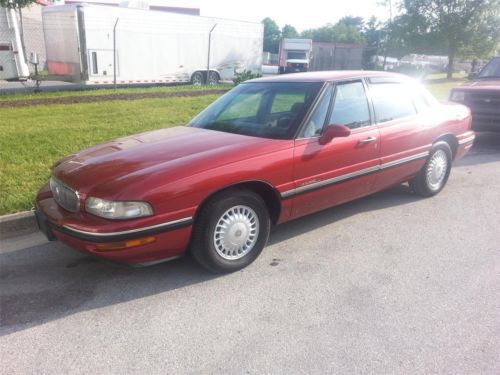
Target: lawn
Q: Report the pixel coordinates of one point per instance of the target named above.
(111, 92)
(440, 86)
(33, 138)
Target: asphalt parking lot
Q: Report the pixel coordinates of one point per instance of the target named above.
(391, 283)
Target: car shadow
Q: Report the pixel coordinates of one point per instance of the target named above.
(49, 281)
(486, 149)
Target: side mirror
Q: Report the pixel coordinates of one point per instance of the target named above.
(472, 75)
(334, 131)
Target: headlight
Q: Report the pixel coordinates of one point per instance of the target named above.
(117, 210)
(457, 96)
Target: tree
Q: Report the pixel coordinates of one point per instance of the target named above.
(458, 27)
(288, 31)
(375, 36)
(357, 22)
(16, 4)
(272, 35)
(339, 33)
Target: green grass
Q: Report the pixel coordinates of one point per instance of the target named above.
(110, 91)
(33, 138)
(440, 87)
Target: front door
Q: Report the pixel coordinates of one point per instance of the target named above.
(344, 168)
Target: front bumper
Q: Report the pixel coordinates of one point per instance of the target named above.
(171, 238)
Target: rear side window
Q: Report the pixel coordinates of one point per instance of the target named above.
(420, 102)
(391, 101)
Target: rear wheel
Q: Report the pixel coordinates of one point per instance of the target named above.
(231, 230)
(432, 178)
(197, 79)
(213, 79)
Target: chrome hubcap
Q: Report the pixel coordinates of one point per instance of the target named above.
(212, 79)
(197, 80)
(436, 169)
(236, 232)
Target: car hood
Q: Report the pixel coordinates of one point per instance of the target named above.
(178, 152)
(482, 85)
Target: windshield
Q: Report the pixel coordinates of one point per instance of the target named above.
(297, 56)
(491, 70)
(262, 109)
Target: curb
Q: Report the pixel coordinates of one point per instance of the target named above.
(13, 224)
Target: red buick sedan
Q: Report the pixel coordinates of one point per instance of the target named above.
(268, 151)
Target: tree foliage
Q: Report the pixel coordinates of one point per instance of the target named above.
(288, 31)
(272, 35)
(340, 33)
(347, 30)
(357, 22)
(16, 4)
(456, 27)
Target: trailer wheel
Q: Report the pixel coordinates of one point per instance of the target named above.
(197, 79)
(213, 79)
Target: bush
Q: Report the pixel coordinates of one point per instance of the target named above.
(244, 76)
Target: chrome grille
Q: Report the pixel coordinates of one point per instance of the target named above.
(66, 197)
(484, 100)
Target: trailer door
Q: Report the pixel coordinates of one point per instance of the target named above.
(8, 68)
(101, 63)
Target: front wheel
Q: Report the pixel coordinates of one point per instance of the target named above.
(432, 178)
(197, 79)
(231, 230)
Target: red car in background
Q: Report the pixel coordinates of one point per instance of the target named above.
(482, 95)
(269, 151)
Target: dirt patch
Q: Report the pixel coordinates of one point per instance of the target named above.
(99, 98)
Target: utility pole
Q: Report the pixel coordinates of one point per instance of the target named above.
(114, 53)
(208, 58)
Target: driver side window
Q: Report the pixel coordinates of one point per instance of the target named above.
(351, 106)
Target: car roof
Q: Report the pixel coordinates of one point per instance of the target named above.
(334, 75)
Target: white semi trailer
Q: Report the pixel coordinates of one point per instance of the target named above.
(92, 44)
(13, 64)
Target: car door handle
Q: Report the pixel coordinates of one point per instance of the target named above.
(367, 140)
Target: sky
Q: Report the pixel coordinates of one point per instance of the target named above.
(303, 14)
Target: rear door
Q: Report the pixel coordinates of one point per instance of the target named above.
(402, 147)
(343, 169)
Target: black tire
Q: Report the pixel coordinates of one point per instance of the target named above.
(197, 79)
(203, 240)
(213, 79)
(422, 184)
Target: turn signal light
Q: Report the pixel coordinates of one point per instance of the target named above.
(125, 244)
